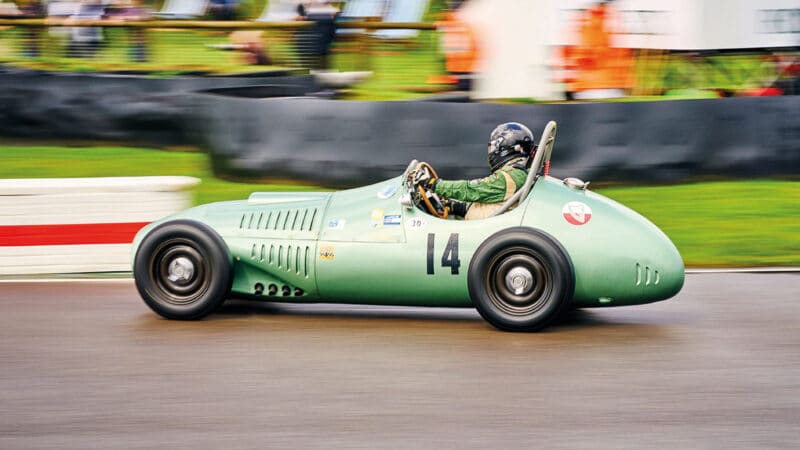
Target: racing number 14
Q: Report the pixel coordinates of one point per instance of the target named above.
(449, 257)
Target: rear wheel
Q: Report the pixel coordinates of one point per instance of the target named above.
(182, 270)
(520, 279)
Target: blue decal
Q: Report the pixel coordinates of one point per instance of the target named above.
(336, 224)
(392, 219)
(387, 191)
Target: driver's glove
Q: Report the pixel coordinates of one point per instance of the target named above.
(458, 208)
(424, 179)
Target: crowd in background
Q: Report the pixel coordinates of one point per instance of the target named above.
(591, 66)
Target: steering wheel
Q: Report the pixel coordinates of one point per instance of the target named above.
(429, 199)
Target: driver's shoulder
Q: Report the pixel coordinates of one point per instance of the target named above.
(513, 169)
(517, 173)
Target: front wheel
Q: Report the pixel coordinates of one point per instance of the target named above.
(183, 270)
(520, 279)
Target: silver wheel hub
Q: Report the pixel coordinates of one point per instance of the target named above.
(180, 270)
(519, 280)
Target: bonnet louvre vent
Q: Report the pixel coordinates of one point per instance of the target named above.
(301, 219)
(290, 258)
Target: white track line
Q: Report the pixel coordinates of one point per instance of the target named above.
(66, 280)
(746, 270)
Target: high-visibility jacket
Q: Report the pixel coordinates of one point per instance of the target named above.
(458, 44)
(593, 63)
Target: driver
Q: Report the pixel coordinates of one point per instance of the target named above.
(510, 149)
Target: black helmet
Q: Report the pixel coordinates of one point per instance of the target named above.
(508, 141)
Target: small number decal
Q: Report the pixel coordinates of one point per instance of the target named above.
(449, 257)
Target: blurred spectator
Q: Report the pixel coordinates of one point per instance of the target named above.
(223, 9)
(789, 79)
(460, 47)
(793, 77)
(251, 44)
(593, 68)
(317, 41)
(278, 11)
(122, 10)
(10, 10)
(86, 41)
(127, 10)
(32, 36)
(183, 9)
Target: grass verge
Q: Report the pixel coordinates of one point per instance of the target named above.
(741, 223)
(69, 162)
(735, 223)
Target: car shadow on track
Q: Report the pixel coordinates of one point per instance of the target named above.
(573, 320)
(409, 327)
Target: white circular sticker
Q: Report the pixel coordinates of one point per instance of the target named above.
(577, 213)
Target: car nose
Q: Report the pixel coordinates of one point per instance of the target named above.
(659, 273)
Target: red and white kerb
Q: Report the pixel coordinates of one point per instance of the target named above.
(75, 225)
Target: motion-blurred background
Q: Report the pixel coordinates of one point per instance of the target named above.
(687, 111)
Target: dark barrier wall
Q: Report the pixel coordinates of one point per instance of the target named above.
(125, 108)
(351, 143)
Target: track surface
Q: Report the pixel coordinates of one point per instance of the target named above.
(87, 365)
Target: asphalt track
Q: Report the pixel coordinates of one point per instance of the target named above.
(87, 365)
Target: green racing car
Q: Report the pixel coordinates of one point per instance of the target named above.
(552, 246)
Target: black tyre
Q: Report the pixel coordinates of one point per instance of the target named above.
(520, 279)
(183, 270)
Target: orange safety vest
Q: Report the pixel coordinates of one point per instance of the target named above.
(458, 44)
(593, 63)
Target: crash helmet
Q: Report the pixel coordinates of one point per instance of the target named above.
(508, 141)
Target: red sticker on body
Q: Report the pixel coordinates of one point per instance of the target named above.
(577, 213)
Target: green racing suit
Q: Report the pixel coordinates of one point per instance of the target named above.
(493, 189)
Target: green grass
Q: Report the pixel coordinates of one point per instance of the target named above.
(400, 71)
(68, 162)
(727, 72)
(742, 223)
(168, 52)
(724, 223)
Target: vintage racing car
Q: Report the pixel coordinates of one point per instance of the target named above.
(553, 245)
